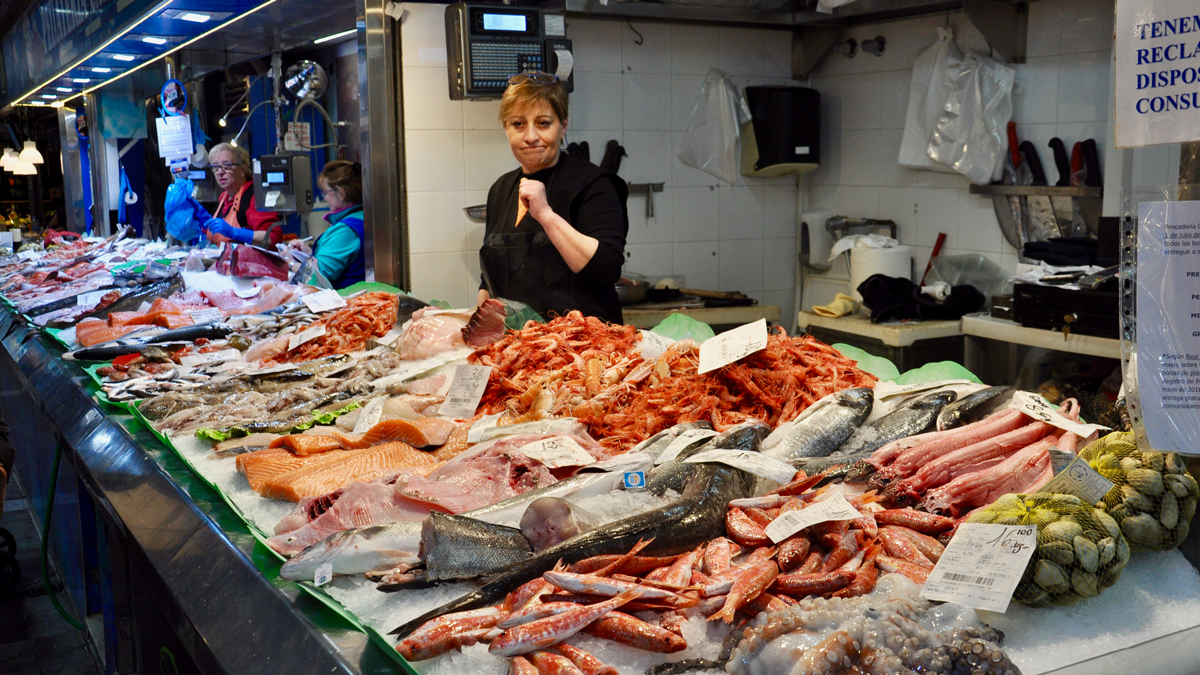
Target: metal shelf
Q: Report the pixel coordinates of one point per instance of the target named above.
(1037, 191)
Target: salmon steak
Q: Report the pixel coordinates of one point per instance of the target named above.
(331, 470)
(423, 432)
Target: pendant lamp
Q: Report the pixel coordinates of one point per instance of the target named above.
(30, 153)
(23, 168)
(7, 159)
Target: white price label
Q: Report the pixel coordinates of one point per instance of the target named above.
(888, 389)
(370, 414)
(654, 345)
(733, 345)
(1081, 480)
(303, 336)
(411, 369)
(682, 441)
(89, 299)
(389, 338)
(6, 239)
(323, 301)
(751, 462)
(1039, 408)
(282, 368)
(210, 357)
(982, 565)
(466, 389)
(787, 524)
(557, 452)
(323, 574)
(246, 293)
(203, 316)
(271, 198)
(475, 433)
(28, 255)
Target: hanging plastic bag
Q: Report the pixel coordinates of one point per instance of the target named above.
(969, 136)
(179, 211)
(932, 81)
(711, 140)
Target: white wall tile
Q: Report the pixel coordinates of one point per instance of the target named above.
(901, 206)
(699, 263)
(779, 264)
(830, 170)
(1087, 25)
(434, 160)
(685, 91)
(486, 156)
(780, 218)
(656, 230)
(822, 291)
(474, 231)
(647, 102)
(1045, 28)
(441, 276)
(937, 213)
(784, 300)
(978, 229)
(427, 103)
(741, 209)
(741, 52)
(1086, 99)
(860, 157)
(683, 174)
(653, 55)
(695, 213)
(861, 102)
(596, 45)
(694, 49)
(648, 259)
(1035, 91)
(479, 115)
(777, 53)
(893, 98)
(648, 157)
(741, 266)
(600, 107)
(424, 28)
(436, 222)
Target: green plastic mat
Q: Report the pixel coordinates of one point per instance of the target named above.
(371, 287)
(876, 365)
(936, 372)
(681, 326)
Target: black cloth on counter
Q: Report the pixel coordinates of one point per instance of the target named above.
(520, 261)
(1063, 251)
(891, 298)
(8, 455)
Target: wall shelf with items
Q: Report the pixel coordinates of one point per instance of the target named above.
(1082, 191)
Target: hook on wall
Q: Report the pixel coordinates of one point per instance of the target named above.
(639, 39)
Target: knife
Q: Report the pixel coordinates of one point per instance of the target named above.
(1091, 160)
(1066, 209)
(1061, 161)
(1041, 212)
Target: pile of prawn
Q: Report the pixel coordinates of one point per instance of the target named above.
(585, 368)
(347, 330)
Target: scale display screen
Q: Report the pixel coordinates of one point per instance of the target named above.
(276, 177)
(507, 22)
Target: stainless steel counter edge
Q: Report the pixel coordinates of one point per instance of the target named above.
(247, 624)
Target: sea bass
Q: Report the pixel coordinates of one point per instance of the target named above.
(675, 473)
(822, 428)
(357, 551)
(973, 407)
(916, 417)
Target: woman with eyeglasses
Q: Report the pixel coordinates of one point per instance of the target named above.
(237, 219)
(339, 250)
(556, 226)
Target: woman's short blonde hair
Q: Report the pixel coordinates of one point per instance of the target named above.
(345, 175)
(529, 93)
(241, 157)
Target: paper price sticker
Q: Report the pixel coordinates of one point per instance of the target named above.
(476, 432)
(272, 198)
(323, 301)
(247, 293)
(89, 299)
(370, 415)
(303, 336)
(557, 452)
(751, 462)
(282, 368)
(203, 316)
(323, 575)
(982, 565)
(1040, 409)
(410, 369)
(634, 480)
(1081, 480)
(388, 338)
(681, 442)
(733, 345)
(888, 389)
(210, 357)
(28, 255)
(787, 524)
(466, 389)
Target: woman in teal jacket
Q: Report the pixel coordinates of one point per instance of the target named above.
(340, 251)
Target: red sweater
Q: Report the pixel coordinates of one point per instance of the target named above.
(249, 217)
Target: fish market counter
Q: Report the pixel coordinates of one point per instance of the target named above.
(140, 541)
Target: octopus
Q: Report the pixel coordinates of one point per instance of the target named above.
(891, 631)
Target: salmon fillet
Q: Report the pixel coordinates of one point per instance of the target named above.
(423, 432)
(128, 318)
(303, 445)
(320, 477)
(95, 331)
(173, 320)
(454, 445)
(264, 465)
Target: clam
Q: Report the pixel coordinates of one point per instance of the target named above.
(1175, 464)
(1009, 519)
(1193, 489)
(1181, 531)
(1119, 512)
(1143, 531)
(1008, 502)
(1168, 511)
(1085, 583)
(1051, 577)
(986, 516)
(1032, 595)
(1087, 554)
(1146, 481)
(1136, 501)
(1042, 517)
(1062, 530)
(1131, 463)
(1058, 551)
(1107, 463)
(1109, 576)
(1106, 549)
(1154, 460)
(1187, 509)
(1122, 552)
(1107, 521)
(1177, 485)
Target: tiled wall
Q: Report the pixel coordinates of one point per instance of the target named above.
(1062, 90)
(719, 236)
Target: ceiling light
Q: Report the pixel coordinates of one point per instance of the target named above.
(64, 89)
(124, 57)
(221, 122)
(49, 95)
(56, 104)
(194, 17)
(24, 169)
(150, 39)
(81, 80)
(335, 36)
(101, 69)
(7, 159)
(30, 153)
(233, 143)
(37, 103)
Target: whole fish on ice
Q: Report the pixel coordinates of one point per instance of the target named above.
(822, 428)
(915, 417)
(357, 551)
(973, 407)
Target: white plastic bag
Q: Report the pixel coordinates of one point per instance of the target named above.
(970, 132)
(827, 6)
(932, 81)
(710, 142)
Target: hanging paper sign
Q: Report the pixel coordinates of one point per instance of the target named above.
(203, 316)
(730, 346)
(1157, 93)
(750, 462)
(681, 442)
(1039, 408)
(174, 137)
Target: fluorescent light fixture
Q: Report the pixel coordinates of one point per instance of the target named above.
(335, 36)
(124, 57)
(57, 104)
(49, 95)
(194, 17)
(150, 39)
(101, 69)
(30, 153)
(37, 103)
(65, 90)
(81, 80)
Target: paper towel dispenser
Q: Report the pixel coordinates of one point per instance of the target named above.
(487, 44)
(784, 135)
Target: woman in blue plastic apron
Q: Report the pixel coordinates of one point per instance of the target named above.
(556, 227)
(339, 250)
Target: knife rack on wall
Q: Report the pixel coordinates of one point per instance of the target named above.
(1089, 199)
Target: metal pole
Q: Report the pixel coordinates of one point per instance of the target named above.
(382, 130)
(72, 217)
(276, 76)
(98, 162)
